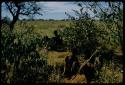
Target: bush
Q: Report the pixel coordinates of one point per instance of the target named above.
(108, 75)
(83, 36)
(19, 49)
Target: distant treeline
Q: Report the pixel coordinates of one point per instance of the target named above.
(45, 20)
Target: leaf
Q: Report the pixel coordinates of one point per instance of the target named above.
(94, 11)
(79, 4)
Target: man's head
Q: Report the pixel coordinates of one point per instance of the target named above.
(74, 51)
(55, 32)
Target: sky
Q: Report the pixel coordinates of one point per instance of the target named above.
(51, 10)
(56, 10)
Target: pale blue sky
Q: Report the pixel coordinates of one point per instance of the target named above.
(56, 10)
(52, 10)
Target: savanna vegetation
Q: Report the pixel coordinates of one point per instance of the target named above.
(81, 49)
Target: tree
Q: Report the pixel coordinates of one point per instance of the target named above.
(82, 32)
(12, 47)
(111, 13)
(18, 8)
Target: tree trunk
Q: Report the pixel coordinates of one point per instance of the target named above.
(15, 18)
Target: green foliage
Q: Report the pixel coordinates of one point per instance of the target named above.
(19, 47)
(81, 33)
(87, 33)
(20, 50)
(107, 74)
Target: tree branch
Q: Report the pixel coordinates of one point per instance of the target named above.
(10, 9)
(24, 13)
(88, 60)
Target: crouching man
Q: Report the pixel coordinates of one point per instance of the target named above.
(71, 64)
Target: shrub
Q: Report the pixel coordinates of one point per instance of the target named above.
(107, 74)
(81, 36)
(19, 48)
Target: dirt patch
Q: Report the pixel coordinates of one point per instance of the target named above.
(76, 79)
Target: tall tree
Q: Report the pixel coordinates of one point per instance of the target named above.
(10, 50)
(18, 8)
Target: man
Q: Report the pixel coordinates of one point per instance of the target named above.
(57, 40)
(71, 64)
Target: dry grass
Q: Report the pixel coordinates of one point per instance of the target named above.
(55, 58)
(77, 79)
(44, 27)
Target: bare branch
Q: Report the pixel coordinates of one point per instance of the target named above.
(10, 8)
